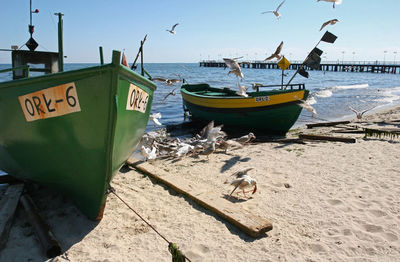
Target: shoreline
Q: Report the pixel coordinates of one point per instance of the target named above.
(342, 203)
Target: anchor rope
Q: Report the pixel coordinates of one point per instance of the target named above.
(172, 247)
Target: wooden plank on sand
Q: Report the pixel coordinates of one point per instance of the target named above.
(246, 221)
(327, 124)
(8, 205)
(327, 138)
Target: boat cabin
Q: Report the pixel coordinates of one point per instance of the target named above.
(21, 58)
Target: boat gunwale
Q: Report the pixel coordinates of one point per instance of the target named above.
(123, 71)
(236, 96)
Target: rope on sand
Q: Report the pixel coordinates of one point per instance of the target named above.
(177, 255)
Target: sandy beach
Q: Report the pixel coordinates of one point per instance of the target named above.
(327, 201)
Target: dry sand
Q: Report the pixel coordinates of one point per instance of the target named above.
(343, 204)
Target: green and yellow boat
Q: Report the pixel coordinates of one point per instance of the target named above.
(271, 111)
(71, 131)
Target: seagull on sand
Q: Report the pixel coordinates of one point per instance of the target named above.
(154, 117)
(208, 150)
(277, 52)
(172, 92)
(242, 181)
(229, 145)
(234, 66)
(148, 154)
(330, 22)
(245, 139)
(338, 2)
(275, 12)
(360, 114)
(172, 31)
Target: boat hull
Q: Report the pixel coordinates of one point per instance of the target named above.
(79, 152)
(271, 112)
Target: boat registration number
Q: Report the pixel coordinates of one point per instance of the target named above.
(137, 99)
(261, 98)
(50, 102)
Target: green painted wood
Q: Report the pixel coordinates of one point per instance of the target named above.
(76, 153)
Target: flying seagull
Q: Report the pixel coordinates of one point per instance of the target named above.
(338, 2)
(330, 22)
(306, 105)
(172, 31)
(234, 66)
(166, 81)
(360, 114)
(277, 52)
(275, 12)
(172, 92)
(243, 181)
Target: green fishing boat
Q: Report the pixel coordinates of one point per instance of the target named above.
(268, 111)
(71, 131)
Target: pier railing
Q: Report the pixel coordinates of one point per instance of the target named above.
(392, 67)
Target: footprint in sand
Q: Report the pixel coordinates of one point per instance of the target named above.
(317, 248)
(197, 252)
(335, 202)
(390, 237)
(347, 232)
(377, 213)
(373, 228)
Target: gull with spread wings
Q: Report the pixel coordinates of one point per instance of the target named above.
(172, 31)
(172, 92)
(277, 52)
(275, 12)
(359, 114)
(330, 22)
(234, 67)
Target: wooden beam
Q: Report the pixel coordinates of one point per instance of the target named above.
(327, 124)
(8, 205)
(246, 221)
(327, 138)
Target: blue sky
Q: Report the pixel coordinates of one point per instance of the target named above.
(207, 29)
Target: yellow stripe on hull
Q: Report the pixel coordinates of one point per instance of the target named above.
(242, 102)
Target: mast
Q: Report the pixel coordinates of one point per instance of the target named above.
(32, 44)
(60, 43)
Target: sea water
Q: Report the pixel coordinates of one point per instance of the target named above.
(331, 93)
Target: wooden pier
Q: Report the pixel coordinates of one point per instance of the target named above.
(343, 66)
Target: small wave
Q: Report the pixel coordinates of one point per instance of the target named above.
(351, 86)
(324, 93)
(311, 101)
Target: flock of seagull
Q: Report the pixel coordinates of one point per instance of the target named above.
(158, 144)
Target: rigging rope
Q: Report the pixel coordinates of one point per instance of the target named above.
(177, 255)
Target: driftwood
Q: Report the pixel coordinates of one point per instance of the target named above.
(349, 131)
(244, 219)
(327, 138)
(277, 140)
(327, 124)
(41, 228)
(386, 132)
(8, 205)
